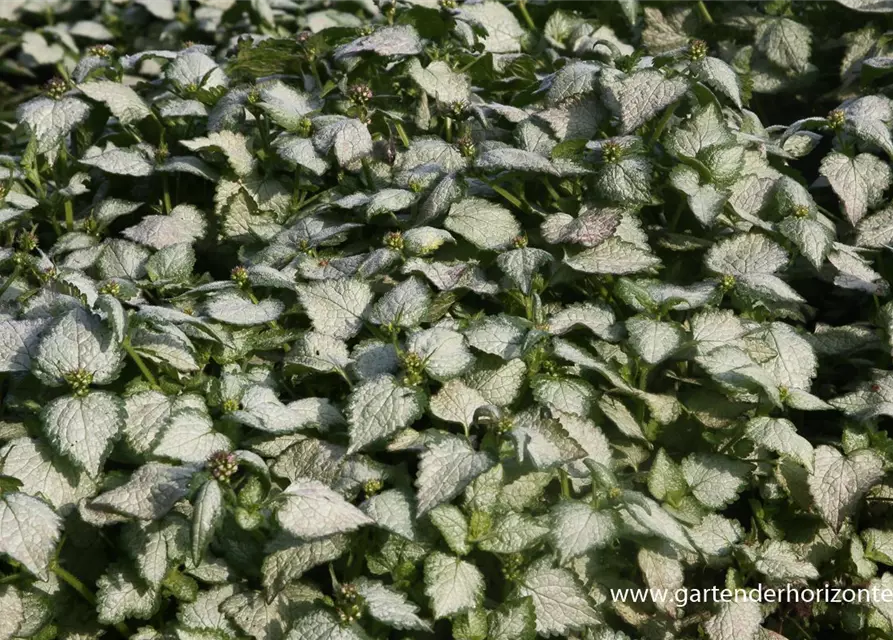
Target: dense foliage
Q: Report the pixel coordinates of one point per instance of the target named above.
(345, 321)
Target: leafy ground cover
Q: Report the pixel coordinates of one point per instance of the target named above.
(345, 321)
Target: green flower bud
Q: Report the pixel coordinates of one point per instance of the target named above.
(79, 380)
(697, 50)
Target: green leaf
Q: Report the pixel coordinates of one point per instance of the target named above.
(643, 95)
(379, 408)
(121, 595)
(403, 306)
(560, 603)
(452, 585)
(124, 103)
(50, 121)
(234, 309)
(780, 435)
(18, 343)
(390, 606)
(440, 82)
(859, 182)
(150, 492)
(838, 482)
(77, 341)
(30, 532)
(513, 533)
(578, 528)
(737, 620)
(453, 526)
(503, 32)
(715, 480)
(336, 307)
(84, 428)
(484, 224)
(207, 515)
(311, 510)
(785, 42)
(513, 621)
(446, 467)
(654, 341)
(31, 462)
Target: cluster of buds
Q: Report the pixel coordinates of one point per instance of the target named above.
(239, 275)
(551, 368)
(371, 487)
(100, 51)
(412, 365)
(56, 87)
(612, 152)
(416, 185)
(519, 242)
(111, 289)
(504, 424)
(51, 273)
(458, 107)
(512, 566)
(27, 241)
(394, 240)
(4, 191)
(303, 36)
(447, 4)
(253, 95)
(161, 153)
(350, 605)
(79, 380)
(223, 465)
(466, 146)
(727, 283)
(230, 405)
(305, 126)
(21, 259)
(801, 211)
(91, 226)
(359, 93)
(836, 119)
(697, 50)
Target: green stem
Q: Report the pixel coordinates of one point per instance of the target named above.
(702, 9)
(367, 174)
(449, 129)
(74, 582)
(273, 324)
(644, 370)
(167, 193)
(471, 64)
(551, 190)
(565, 483)
(69, 215)
(505, 194)
(522, 6)
(139, 363)
(661, 125)
(15, 274)
(315, 73)
(402, 133)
